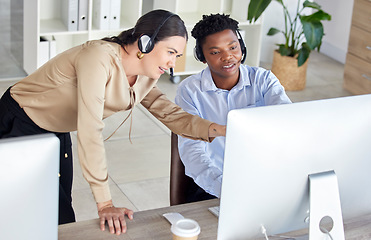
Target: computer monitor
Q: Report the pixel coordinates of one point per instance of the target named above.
(29, 187)
(270, 152)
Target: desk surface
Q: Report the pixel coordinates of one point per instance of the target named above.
(152, 225)
(147, 224)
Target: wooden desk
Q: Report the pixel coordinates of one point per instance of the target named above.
(146, 225)
(152, 225)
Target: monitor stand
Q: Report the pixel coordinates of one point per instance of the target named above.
(325, 215)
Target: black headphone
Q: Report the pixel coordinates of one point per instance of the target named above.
(147, 43)
(199, 55)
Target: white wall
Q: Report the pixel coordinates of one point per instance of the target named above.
(335, 41)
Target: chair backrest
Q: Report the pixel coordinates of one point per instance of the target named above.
(179, 182)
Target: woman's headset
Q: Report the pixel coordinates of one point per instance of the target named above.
(146, 43)
(199, 55)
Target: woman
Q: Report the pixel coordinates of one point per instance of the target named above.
(80, 87)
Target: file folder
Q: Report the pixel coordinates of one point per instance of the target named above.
(83, 15)
(52, 46)
(101, 9)
(43, 52)
(70, 14)
(115, 11)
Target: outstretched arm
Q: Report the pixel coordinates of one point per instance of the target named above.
(179, 121)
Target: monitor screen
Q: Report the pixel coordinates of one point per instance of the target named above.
(29, 184)
(270, 152)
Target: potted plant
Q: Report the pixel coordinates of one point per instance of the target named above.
(302, 34)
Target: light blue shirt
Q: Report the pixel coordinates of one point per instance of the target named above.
(198, 95)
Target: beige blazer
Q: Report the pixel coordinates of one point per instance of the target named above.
(80, 87)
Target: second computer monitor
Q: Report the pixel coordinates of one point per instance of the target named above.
(29, 187)
(271, 151)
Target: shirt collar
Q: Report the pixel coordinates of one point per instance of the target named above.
(207, 83)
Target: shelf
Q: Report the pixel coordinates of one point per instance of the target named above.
(124, 25)
(55, 27)
(44, 18)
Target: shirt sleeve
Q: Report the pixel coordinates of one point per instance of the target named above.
(177, 120)
(274, 93)
(92, 70)
(198, 163)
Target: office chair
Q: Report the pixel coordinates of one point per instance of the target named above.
(179, 182)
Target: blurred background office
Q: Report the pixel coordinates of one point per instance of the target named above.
(139, 172)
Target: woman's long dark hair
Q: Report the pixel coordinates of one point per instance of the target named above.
(147, 25)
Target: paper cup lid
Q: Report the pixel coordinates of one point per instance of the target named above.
(185, 228)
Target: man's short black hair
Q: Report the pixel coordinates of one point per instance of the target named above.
(211, 24)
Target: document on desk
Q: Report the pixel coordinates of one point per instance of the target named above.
(173, 217)
(215, 210)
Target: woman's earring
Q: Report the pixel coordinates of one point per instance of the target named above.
(140, 55)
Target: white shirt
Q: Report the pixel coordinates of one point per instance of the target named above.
(198, 95)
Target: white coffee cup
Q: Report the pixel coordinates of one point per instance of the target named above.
(185, 229)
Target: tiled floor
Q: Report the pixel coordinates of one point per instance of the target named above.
(139, 172)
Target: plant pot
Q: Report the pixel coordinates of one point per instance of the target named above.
(292, 77)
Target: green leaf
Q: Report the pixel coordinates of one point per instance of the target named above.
(283, 50)
(313, 32)
(256, 8)
(317, 16)
(311, 5)
(273, 31)
(319, 46)
(303, 54)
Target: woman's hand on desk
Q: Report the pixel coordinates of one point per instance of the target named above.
(114, 216)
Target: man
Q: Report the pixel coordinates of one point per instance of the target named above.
(222, 86)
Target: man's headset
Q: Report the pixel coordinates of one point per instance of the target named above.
(199, 55)
(146, 43)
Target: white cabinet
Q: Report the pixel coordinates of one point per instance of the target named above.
(44, 18)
